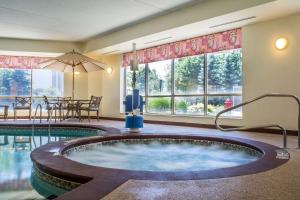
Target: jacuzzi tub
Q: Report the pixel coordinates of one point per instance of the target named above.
(163, 154)
(53, 163)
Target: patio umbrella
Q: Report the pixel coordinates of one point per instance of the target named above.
(72, 62)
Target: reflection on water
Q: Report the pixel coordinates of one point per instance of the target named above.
(16, 166)
(16, 144)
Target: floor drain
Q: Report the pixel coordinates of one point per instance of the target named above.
(282, 154)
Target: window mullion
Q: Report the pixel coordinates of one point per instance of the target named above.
(125, 83)
(172, 87)
(146, 86)
(31, 76)
(205, 84)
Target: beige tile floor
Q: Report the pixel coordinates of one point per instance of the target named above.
(282, 183)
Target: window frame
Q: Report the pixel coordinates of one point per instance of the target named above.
(205, 95)
(33, 97)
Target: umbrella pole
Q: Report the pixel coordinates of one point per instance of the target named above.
(73, 85)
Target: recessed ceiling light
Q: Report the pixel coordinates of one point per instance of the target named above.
(234, 21)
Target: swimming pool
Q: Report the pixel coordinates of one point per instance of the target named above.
(16, 144)
(163, 154)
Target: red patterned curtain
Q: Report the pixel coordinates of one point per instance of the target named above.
(20, 62)
(204, 44)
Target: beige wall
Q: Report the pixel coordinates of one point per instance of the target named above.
(95, 83)
(98, 83)
(265, 70)
(81, 85)
(111, 87)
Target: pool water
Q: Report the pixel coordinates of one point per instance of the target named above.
(15, 163)
(163, 155)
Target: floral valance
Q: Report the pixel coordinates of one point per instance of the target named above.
(226, 40)
(20, 62)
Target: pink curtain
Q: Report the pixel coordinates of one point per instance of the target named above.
(226, 40)
(20, 62)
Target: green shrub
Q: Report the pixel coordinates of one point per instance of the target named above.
(210, 108)
(181, 106)
(196, 108)
(159, 104)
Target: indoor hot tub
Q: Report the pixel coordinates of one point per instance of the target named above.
(163, 154)
(104, 163)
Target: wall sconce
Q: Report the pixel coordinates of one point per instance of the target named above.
(109, 70)
(76, 73)
(281, 43)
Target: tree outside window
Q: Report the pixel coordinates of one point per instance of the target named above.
(14, 82)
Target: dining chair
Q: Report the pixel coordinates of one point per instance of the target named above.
(50, 107)
(64, 103)
(92, 106)
(22, 103)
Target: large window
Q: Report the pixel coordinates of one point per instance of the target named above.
(159, 78)
(35, 83)
(47, 82)
(194, 85)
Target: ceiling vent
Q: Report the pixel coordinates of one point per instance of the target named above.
(110, 52)
(161, 39)
(234, 21)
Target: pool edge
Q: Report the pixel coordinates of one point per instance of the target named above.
(104, 180)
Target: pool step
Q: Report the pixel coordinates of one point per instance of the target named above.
(21, 141)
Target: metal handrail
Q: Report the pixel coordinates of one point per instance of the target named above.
(262, 126)
(49, 122)
(34, 118)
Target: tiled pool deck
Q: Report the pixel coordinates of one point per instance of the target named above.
(279, 183)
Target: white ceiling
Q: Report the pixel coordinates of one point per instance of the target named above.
(76, 20)
(263, 12)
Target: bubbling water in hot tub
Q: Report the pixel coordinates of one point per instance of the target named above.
(163, 155)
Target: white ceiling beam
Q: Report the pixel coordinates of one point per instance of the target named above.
(199, 12)
(18, 45)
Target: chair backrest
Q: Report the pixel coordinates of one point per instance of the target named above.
(95, 102)
(64, 100)
(46, 101)
(23, 101)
